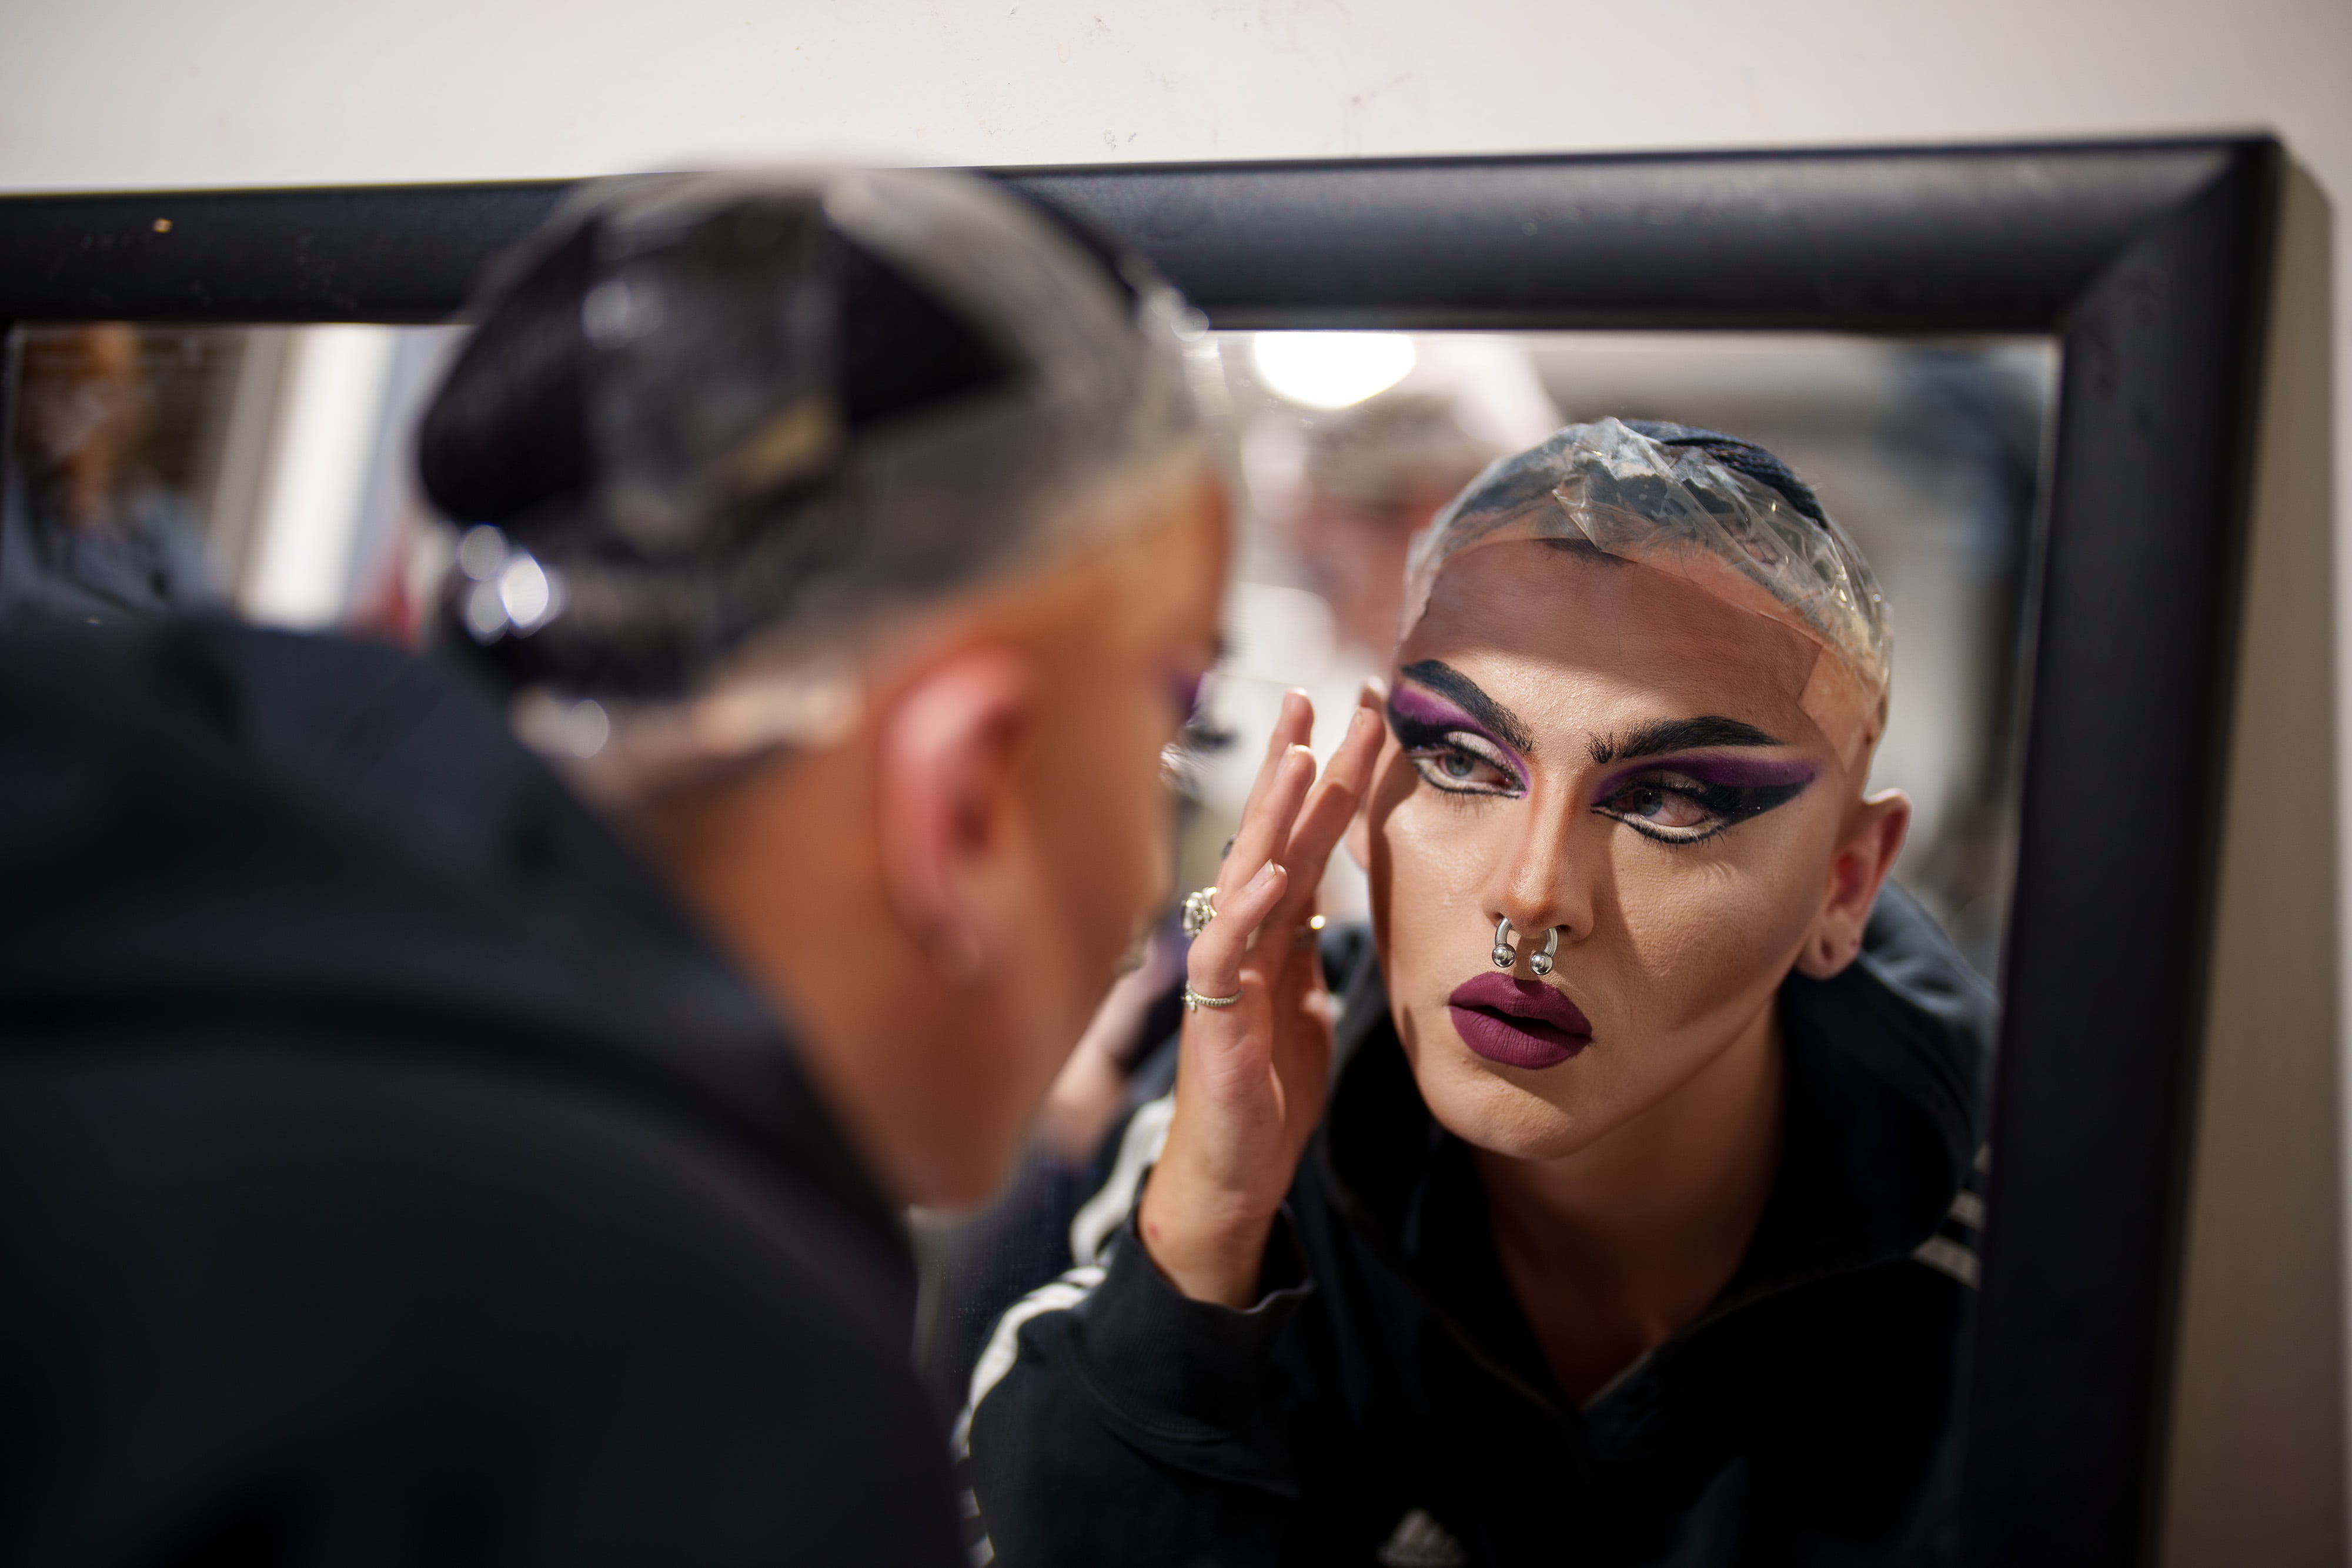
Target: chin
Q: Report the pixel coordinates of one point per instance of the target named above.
(1496, 1108)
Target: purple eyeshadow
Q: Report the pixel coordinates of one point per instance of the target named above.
(1430, 717)
(1725, 772)
(1184, 691)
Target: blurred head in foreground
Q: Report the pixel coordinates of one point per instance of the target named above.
(845, 536)
(1632, 714)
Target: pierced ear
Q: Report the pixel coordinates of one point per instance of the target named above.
(1827, 954)
(949, 756)
(1874, 838)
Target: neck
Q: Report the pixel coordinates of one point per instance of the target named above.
(1613, 1247)
(824, 948)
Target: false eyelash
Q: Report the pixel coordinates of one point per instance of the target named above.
(1731, 804)
(1419, 739)
(1676, 841)
(1200, 737)
(1425, 755)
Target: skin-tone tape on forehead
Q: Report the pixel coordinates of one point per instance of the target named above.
(1688, 504)
(1852, 718)
(1849, 712)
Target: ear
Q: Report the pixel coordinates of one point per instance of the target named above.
(948, 795)
(1874, 838)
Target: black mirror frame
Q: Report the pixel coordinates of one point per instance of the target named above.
(2148, 261)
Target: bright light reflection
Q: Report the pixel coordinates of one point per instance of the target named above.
(523, 592)
(1330, 370)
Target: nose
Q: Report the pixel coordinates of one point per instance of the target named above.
(1543, 885)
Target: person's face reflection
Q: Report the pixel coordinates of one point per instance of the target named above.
(1581, 742)
(85, 407)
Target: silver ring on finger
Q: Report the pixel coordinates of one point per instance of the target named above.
(1194, 1001)
(1199, 911)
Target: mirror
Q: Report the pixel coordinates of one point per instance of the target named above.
(1342, 445)
(2130, 669)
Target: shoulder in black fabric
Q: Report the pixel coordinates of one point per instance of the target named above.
(202, 819)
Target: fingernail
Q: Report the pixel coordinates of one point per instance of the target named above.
(1266, 875)
(1357, 720)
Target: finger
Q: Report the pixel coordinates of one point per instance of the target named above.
(1214, 968)
(1266, 830)
(1293, 722)
(1333, 801)
(1329, 808)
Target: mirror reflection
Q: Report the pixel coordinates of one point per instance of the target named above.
(1596, 1173)
(1626, 1206)
(263, 470)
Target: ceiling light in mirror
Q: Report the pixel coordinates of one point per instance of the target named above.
(1332, 370)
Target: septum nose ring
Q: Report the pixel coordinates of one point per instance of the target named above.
(1505, 955)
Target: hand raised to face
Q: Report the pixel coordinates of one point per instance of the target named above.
(1252, 1072)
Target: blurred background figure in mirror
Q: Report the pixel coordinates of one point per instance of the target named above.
(88, 526)
(1348, 487)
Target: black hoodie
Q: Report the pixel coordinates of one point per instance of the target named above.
(1386, 1402)
(390, 1172)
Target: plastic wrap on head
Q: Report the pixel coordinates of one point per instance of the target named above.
(1718, 513)
(723, 424)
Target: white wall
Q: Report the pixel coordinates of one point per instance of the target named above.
(108, 92)
(118, 92)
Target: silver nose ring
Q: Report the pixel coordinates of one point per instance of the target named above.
(1505, 955)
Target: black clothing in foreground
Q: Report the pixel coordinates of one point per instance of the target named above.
(390, 1173)
(1387, 1403)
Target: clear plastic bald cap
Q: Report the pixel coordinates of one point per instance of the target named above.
(713, 429)
(1688, 502)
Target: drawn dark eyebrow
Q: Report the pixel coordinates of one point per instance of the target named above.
(1443, 678)
(1679, 735)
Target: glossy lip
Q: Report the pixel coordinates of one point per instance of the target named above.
(1518, 1023)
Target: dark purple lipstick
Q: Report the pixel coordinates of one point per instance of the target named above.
(1518, 1023)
